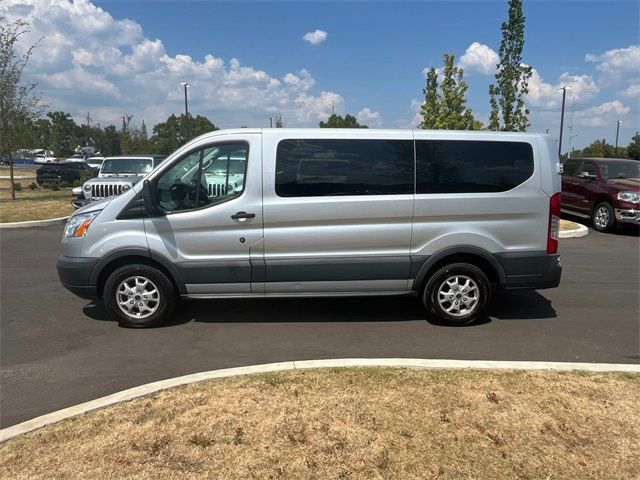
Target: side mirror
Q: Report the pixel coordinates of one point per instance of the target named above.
(586, 176)
(150, 199)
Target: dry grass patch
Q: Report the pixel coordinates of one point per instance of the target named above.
(352, 424)
(38, 204)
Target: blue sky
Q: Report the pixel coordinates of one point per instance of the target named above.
(371, 62)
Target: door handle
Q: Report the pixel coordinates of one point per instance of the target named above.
(242, 215)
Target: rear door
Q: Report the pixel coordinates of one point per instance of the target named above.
(337, 212)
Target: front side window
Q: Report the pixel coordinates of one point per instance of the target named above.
(204, 177)
(471, 166)
(333, 167)
(589, 168)
(570, 168)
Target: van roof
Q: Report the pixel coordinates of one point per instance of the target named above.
(369, 132)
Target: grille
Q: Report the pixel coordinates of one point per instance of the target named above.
(104, 190)
(219, 189)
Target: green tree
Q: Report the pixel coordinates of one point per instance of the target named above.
(110, 141)
(633, 149)
(445, 108)
(430, 110)
(599, 149)
(507, 96)
(278, 123)
(172, 133)
(337, 121)
(64, 133)
(19, 103)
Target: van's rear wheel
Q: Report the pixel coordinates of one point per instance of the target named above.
(139, 296)
(457, 294)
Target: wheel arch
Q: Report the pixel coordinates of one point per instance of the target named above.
(114, 260)
(479, 257)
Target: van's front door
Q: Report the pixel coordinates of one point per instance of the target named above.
(210, 226)
(337, 212)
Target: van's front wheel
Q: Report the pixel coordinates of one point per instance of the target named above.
(139, 296)
(457, 294)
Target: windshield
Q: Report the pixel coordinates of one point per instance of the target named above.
(126, 165)
(620, 170)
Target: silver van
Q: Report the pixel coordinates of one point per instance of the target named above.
(449, 216)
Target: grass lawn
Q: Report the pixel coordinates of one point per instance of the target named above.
(357, 423)
(38, 204)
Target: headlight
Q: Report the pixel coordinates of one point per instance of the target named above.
(633, 197)
(126, 187)
(78, 225)
(87, 187)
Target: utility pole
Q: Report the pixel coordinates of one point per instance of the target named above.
(617, 133)
(271, 122)
(186, 111)
(564, 95)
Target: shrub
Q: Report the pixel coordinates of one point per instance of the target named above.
(55, 187)
(46, 185)
(17, 186)
(33, 186)
(64, 184)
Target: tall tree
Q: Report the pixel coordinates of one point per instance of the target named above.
(278, 123)
(507, 95)
(337, 121)
(430, 110)
(445, 107)
(19, 103)
(172, 133)
(633, 149)
(64, 133)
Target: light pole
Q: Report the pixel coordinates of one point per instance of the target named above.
(617, 133)
(186, 111)
(564, 94)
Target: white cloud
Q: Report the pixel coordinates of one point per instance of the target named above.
(601, 115)
(632, 91)
(617, 62)
(316, 37)
(479, 58)
(369, 117)
(546, 95)
(90, 61)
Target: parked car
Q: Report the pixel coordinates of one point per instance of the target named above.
(117, 174)
(61, 172)
(607, 190)
(76, 157)
(447, 216)
(95, 163)
(42, 158)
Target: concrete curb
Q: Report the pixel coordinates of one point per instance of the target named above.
(581, 231)
(34, 223)
(130, 394)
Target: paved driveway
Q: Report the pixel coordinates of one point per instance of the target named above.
(57, 351)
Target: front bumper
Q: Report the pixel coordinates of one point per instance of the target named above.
(531, 270)
(75, 272)
(80, 202)
(628, 215)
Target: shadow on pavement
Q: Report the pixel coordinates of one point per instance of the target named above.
(512, 306)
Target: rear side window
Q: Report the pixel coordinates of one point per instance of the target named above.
(330, 167)
(466, 166)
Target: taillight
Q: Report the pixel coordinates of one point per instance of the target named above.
(554, 223)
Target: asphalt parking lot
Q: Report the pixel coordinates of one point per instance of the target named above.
(56, 350)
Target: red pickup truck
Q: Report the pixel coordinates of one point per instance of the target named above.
(605, 189)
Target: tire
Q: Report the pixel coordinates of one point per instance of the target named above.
(133, 282)
(603, 218)
(459, 275)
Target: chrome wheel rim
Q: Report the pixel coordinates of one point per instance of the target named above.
(137, 297)
(601, 218)
(458, 295)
